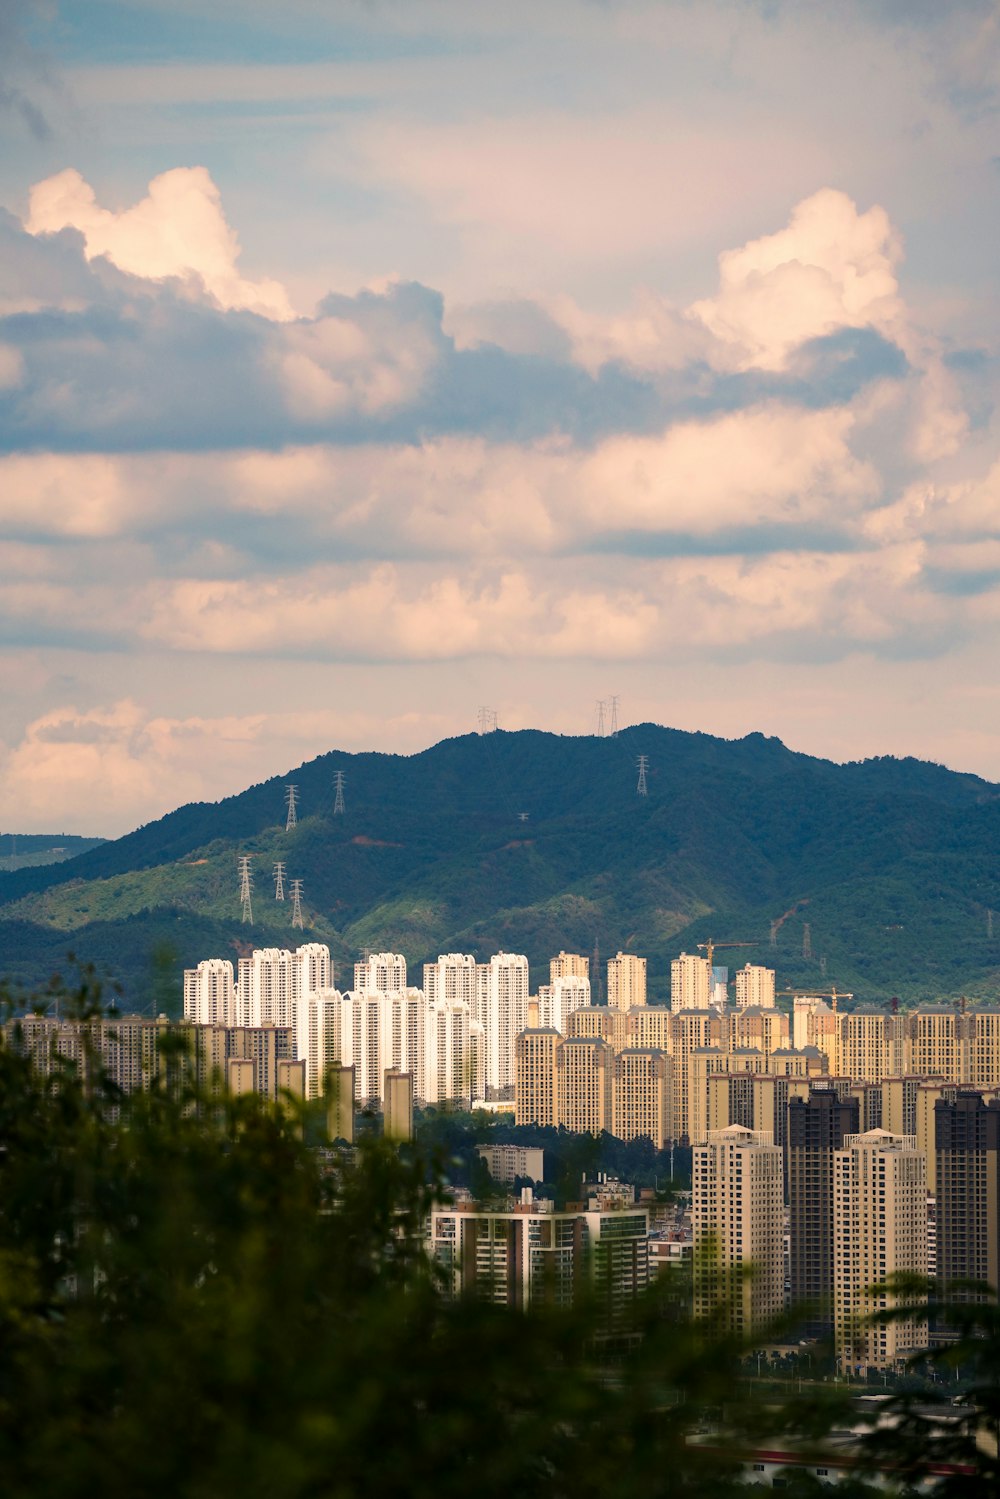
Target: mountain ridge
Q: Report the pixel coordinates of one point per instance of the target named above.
(537, 841)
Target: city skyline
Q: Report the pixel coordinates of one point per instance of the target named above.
(364, 365)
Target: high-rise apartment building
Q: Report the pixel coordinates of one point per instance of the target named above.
(569, 965)
(210, 993)
(642, 1104)
(398, 1110)
(650, 1026)
(754, 987)
(530, 1256)
(599, 1020)
(380, 973)
(452, 977)
(502, 1011)
(626, 981)
(817, 1128)
(968, 1191)
(870, 1045)
(535, 1100)
(558, 1000)
(693, 1030)
(690, 982)
(585, 1069)
(759, 1028)
(879, 1228)
(738, 1227)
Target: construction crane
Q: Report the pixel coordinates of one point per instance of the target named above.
(831, 994)
(710, 946)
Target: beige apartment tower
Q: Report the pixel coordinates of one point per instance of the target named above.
(626, 981)
(535, 1077)
(738, 1224)
(568, 965)
(642, 1096)
(690, 982)
(340, 1104)
(585, 1070)
(755, 986)
(879, 1227)
(599, 1020)
(398, 1108)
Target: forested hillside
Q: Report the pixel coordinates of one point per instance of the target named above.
(533, 842)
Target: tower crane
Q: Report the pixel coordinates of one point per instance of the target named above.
(831, 994)
(710, 946)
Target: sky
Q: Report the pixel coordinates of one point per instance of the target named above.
(365, 362)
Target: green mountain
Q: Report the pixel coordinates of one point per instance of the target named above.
(533, 842)
(31, 850)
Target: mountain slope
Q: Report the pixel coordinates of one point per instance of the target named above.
(536, 842)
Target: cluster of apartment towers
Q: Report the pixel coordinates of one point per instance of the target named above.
(830, 1148)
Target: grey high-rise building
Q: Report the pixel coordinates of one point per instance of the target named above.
(968, 1189)
(817, 1126)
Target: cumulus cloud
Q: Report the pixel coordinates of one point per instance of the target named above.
(831, 267)
(178, 230)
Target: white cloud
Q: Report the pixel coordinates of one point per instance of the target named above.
(831, 267)
(178, 230)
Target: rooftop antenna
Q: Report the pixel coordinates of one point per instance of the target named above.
(807, 945)
(601, 705)
(279, 881)
(246, 887)
(613, 727)
(643, 763)
(488, 720)
(291, 802)
(338, 799)
(297, 904)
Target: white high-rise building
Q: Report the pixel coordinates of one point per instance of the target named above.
(558, 1000)
(754, 986)
(380, 973)
(454, 1053)
(452, 977)
(382, 1033)
(738, 1225)
(690, 982)
(626, 981)
(317, 1037)
(210, 993)
(502, 1011)
(879, 1226)
(272, 980)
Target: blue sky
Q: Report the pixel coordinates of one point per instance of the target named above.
(363, 362)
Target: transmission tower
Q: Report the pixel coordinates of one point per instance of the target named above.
(246, 887)
(291, 802)
(601, 705)
(822, 966)
(597, 980)
(774, 934)
(279, 881)
(643, 763)
(488, 720)
(613, 726)
(807, 941)
(523, 816)
(338, 799)
(989, 924)
(297, 904)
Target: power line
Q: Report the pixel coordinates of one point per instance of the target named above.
(643, 763)
(291, 801)
(246, 888)
(489, 720)
(338, 800)
(297, 904)
(279, 881)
